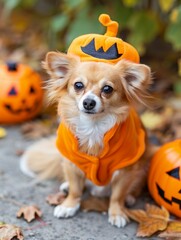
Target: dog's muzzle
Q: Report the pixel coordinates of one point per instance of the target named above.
(89, 104)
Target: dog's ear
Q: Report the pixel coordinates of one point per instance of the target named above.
(135, 79)
(59, 66)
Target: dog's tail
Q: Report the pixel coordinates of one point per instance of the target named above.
(42, 160)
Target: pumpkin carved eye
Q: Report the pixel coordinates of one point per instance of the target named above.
(174, 173)
(12, 92)
(32, 90)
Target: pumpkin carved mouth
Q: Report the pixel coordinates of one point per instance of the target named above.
(23, 109)
(161, 193)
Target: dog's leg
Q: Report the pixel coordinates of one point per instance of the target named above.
(117, 215)
(76, 182)
(127, 182)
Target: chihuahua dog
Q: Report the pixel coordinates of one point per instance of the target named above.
(95, 102)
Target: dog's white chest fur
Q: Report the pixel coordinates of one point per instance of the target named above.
(91, 130)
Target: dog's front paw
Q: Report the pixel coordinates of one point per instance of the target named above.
(118, 220)
(62, 211)
(118, 217)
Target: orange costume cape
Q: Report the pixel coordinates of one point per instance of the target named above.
(124, 144)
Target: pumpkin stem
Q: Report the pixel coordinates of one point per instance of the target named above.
(112, 26)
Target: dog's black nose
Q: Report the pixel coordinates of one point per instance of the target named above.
(89, 104)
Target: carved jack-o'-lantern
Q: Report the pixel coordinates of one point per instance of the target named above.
(103, 48)
(21, 93)
(164, 180)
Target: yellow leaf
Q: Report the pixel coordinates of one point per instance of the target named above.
(130, 3)
(137, 215)
(151, 226)
(156, 212)
(151, 120)
(8, 231)
(166, 5)
(2, 132)
(173, 230)
(174, 15)
(150, 221)
(154, 120)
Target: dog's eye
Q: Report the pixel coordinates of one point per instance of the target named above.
(78, 85)
(107, 89)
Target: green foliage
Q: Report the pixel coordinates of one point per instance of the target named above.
(177, 87)
(142, 33)
(9, 5)
(141, 21)
(91, 24)
(166, 5)
(130, 3)
(71, 5)
(173, 31)
(59, 22)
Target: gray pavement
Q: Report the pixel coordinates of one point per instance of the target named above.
(16, 188)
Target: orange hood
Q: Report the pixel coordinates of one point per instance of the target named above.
(124, 144)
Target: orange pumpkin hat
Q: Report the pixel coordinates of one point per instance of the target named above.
(103, 48)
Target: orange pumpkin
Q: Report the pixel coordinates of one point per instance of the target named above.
(103, 48)
(21, 93)
(164, 179)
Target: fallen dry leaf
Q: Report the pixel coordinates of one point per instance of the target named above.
(55, 199)
(173, 231)
(95, 204)
(35, 130)
(137, 215)
(9, 232)
(19, 152)
(29, 212)
(176, 124)
(150, 221)
(2, 132)
(158, 119)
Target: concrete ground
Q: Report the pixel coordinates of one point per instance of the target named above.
(15, 188)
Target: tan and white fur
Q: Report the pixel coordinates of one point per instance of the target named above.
(92, 97)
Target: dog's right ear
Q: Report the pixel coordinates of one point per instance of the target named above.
(59, 66)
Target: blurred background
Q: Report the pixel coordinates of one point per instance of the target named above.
(31, 28)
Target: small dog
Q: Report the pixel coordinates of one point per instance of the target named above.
(94, 102)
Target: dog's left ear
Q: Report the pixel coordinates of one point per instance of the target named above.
(135, 79)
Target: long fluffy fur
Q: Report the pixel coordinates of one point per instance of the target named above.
(130, 83)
